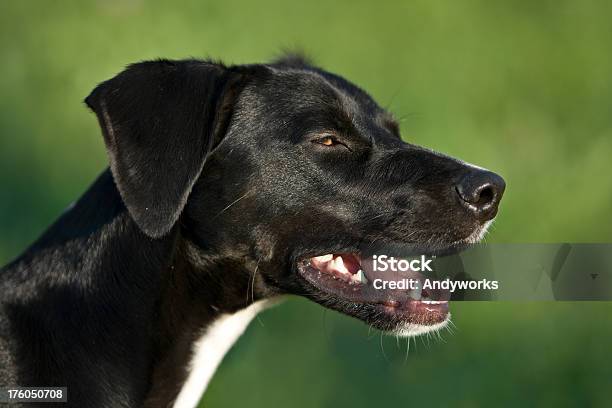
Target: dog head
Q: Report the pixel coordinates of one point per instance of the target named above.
(290, 171)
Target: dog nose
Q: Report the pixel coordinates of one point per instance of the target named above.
(480, 192)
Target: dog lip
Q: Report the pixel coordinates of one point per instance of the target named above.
(333, 274)
(430, 313)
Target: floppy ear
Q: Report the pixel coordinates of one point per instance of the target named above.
(160, 119)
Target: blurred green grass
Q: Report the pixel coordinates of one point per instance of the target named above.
(520, 87)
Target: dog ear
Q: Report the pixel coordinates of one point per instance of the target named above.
(159, 120)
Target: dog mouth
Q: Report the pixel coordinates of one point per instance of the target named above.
(350, 283)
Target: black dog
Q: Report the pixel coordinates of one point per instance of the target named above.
(228, 187)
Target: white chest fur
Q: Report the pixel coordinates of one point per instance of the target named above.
(208, 351)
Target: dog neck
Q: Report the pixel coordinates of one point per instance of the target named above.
(153, 315)
(207, 303)
(209, 349)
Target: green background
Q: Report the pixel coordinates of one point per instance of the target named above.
(521, 87)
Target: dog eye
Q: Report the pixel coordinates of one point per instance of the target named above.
(329, 141)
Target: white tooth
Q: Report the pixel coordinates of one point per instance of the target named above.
(360, 277)
(415, 294)
(324, 258)
(339, 265)
(434, 302)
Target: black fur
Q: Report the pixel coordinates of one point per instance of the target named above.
(218, 183)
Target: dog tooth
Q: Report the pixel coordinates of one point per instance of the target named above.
(433, 302)
(339, 266)
(360, 277)
(415, 294)
(324, 258)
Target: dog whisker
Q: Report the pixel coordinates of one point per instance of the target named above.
(232, 203)
(382, 349)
